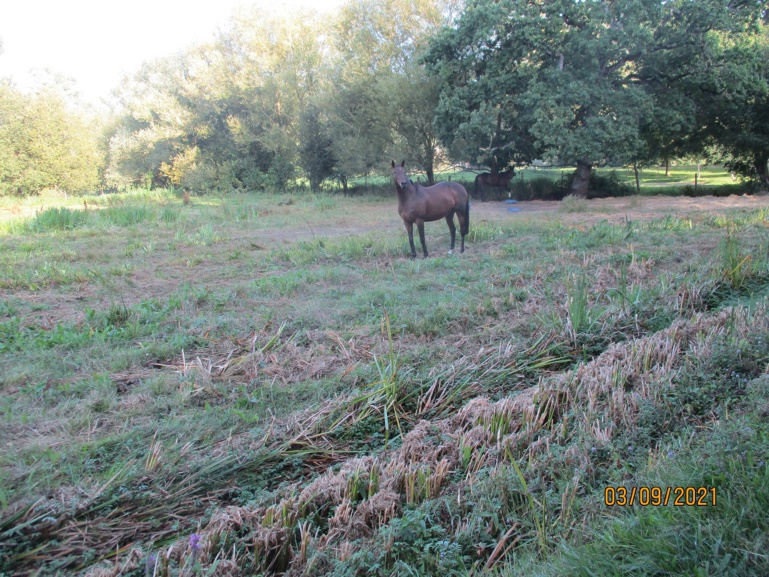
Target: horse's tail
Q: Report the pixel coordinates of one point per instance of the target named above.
(466, 222)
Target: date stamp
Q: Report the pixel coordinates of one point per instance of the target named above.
(659, 496)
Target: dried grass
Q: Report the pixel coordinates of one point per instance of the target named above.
(273, 357)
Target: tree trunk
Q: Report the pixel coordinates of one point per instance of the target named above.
(429, 145)
(581, 180)
(761, 159)
(667, 167)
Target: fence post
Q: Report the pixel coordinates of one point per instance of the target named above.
(637, 180)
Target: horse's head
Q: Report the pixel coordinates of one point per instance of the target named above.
(399, 174)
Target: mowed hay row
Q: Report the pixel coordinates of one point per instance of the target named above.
(595, 400)
(602, 397)
(266, 356)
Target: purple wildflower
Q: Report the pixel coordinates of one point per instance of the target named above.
(195, 542)
(149, 566)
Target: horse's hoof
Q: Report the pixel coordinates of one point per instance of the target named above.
(451, 252)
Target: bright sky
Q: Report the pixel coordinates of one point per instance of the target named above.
(96, 42)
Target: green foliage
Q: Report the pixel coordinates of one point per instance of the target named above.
(410, 544)
(737, 266)
(587, 83)
(232, 124)
(606, 185)
(721, 381)
(43, 144)
(315, 151)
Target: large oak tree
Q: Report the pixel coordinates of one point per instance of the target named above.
(572, 81)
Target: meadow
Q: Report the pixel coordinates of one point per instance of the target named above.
(266, 384)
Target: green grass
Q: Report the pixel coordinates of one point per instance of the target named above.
(161, 362)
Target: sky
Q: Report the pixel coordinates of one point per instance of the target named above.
(97, 42)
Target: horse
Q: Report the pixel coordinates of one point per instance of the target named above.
(419, 204)
(501, 179)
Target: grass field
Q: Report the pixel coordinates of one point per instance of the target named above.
(265, 384)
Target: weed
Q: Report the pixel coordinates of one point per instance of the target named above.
(579, 313)
(737, 266)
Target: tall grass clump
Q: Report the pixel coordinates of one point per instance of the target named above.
(579, 312)
(126, 215)
(385, 394)
(169, 214)
(485, 231)
(323, 202)
(736, 265)
(55, 219)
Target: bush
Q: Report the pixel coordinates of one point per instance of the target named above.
(607, 185)
(538, 188)
(748, 187)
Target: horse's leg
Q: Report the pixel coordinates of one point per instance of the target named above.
(410, 230)
(452, 229)
(462, 218)
(421, 227)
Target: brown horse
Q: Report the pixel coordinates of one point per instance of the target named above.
(419, 204)
(501, 179)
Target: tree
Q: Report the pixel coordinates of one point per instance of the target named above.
(44, 144)
(222, 116)
(733, 111)
(277, 65)
(414, 98)
(315, 152)
(554, 79)
(153, 125)
(378, 73)
(569, 80)
(358, 126)
(707, 76)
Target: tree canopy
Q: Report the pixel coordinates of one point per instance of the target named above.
(585, 82)
(45, 144)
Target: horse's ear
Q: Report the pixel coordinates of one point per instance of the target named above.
(403, 162)
(393, 163)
